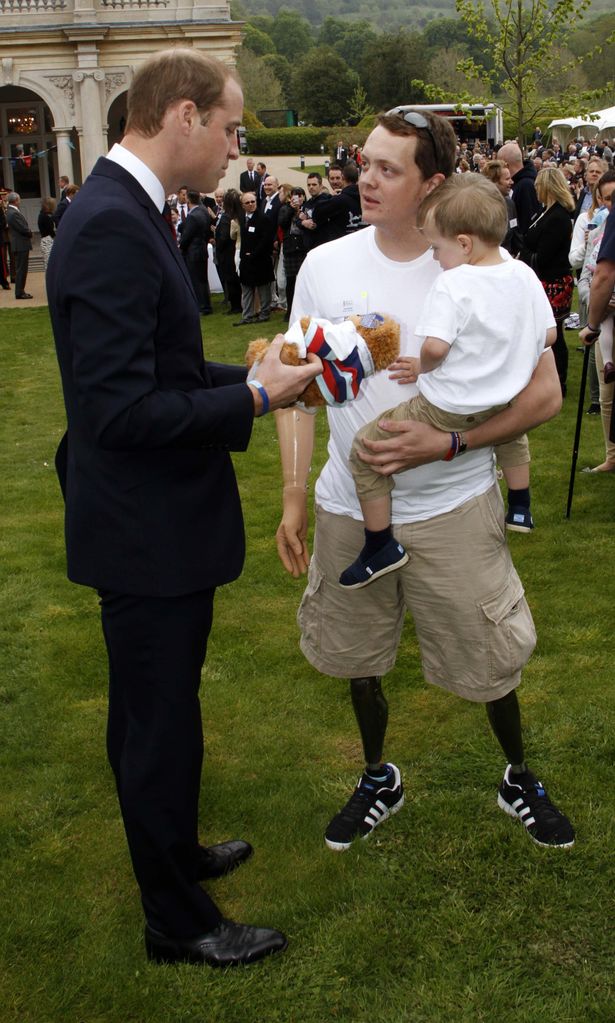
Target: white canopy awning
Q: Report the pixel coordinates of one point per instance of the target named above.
(598, 121)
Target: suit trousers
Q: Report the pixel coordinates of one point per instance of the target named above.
(197, 268)
(156, 649)
(248, 307)
(20, 263)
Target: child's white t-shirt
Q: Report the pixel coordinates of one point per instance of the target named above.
(495, 319)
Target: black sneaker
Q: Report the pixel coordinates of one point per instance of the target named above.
(370, 804)
(519, 519)
(523, 796)
(388, 559)
(594, 409)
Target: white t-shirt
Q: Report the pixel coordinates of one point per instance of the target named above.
(495, 319)
(351, 275)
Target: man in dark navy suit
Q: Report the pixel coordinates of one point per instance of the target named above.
(153, 520)
(194, 238)
(249, 180)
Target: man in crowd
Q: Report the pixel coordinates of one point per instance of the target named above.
(255, 262)
(335, 179)
(473, 624)
(249, 180)
(601, 302)
(182, 206)
(193, 241)
(317, 197)
(523, 175)
(341, 215)
(341, 153)
(20, 241)
(70, 191)
(153, 520)
(259, 191)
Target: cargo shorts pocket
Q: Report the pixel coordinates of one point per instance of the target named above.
(511, 636)
(310, 612)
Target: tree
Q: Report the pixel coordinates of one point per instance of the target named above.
(521, 40)
(394, 70)
(283, 71)
(291, 34)
(256, 41)
(444, 73)
(358, 108)
(323, 86)
(261, 89)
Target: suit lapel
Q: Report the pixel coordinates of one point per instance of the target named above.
(109, 169)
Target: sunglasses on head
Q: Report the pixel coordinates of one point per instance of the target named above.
(417, 120)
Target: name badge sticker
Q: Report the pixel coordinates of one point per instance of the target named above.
(251, 230)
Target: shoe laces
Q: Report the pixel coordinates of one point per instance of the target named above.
(363, 796)
(535, 795)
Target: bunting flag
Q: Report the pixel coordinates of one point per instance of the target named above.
(27, 158)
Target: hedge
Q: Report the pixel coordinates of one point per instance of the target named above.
(272, 141)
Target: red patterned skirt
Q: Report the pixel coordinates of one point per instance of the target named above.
(559, 293)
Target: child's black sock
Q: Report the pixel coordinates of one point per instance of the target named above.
(375, 540)
(519, 498)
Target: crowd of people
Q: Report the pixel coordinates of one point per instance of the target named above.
(153, 518)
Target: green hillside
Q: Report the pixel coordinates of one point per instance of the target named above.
(383, 14)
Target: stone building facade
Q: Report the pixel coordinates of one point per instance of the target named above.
(65, 68)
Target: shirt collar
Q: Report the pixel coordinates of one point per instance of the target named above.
(140, 171)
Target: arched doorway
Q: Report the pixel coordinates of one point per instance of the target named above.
(27, 146)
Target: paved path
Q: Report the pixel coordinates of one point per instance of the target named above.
(35, 286)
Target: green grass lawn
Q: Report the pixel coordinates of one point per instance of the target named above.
(449, 914)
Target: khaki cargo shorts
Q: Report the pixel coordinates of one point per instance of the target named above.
(473, 624)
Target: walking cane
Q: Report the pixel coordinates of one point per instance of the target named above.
(577, 432)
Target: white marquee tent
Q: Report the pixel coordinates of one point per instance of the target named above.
(597, 122)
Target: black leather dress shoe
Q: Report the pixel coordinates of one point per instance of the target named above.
(24, 295)
(229, 944)
(218, 860)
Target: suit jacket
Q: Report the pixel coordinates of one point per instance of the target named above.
(20, 235)
(255, 262)
(195, 234)
(341, 215)
(245, 185)
(61, 209)
(274, 209)
(152, 506)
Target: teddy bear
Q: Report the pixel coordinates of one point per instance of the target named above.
(350, 351)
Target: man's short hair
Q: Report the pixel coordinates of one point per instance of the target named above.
(350, 172)
(315, 174)
(194, 198)
(168, 77)
(606, 179)
(466, 204)
(435, 146)
(12, 196)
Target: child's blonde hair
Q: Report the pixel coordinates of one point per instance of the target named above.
(466, 204)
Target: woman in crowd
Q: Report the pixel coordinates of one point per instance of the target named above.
(47, 227)
(545, 248)
(293, 250)
(578, 246)
(606, 195)
(498, 172)
(227, 234)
